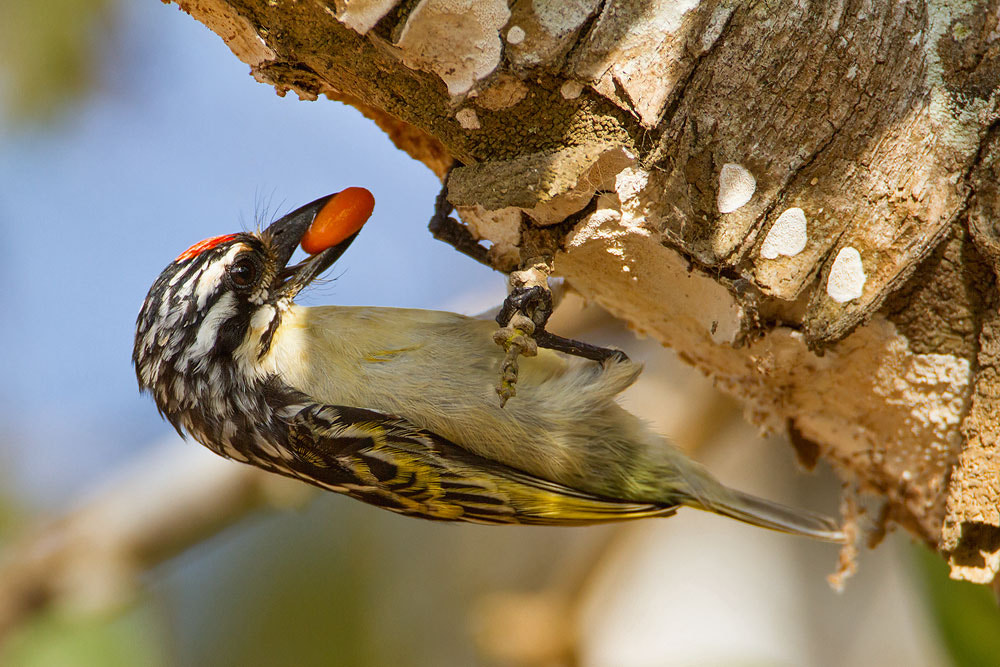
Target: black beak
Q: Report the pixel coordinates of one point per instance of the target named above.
(284, 235)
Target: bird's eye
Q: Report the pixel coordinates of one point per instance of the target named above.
(244, 272)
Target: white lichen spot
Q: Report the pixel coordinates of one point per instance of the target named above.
(515, 35)
(459, 40)
(787, 235)
(852, 72)
(847, 276)
(468, 119)
(571, 90)
(736, 187)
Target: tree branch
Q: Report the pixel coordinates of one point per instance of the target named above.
(171, 498)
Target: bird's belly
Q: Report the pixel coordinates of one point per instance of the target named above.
(439, 371)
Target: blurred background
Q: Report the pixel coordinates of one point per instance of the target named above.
(128, 131)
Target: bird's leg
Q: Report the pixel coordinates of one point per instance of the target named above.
(526, 309)
(522, 319)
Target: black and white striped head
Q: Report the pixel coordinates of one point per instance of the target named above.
(210, 316)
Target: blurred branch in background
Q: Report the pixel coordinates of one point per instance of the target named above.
(91, 558)
(49, 54)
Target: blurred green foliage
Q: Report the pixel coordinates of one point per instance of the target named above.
(49, 54)
(967, 615)
(81, 640)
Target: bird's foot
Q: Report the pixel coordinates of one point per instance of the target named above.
(522, 319)
(516, 340)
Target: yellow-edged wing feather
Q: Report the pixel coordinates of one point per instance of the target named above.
(387, 461)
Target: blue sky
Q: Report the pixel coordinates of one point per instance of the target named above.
(177, 143)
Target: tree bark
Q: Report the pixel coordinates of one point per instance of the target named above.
(800, 198)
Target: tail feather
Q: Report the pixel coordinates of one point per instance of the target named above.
(775, 516)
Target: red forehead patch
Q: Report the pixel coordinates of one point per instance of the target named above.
(202, 246)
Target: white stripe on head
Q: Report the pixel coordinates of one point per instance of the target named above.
(220, 311)
(211, 277)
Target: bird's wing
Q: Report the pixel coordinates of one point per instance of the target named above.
(386, 461)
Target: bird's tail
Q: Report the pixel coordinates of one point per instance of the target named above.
(775, 516)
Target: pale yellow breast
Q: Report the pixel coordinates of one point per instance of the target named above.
(439, 370)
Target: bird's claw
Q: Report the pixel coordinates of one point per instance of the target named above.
(522, 319)
(533, 302)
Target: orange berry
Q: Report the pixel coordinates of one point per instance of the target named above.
(345, 213)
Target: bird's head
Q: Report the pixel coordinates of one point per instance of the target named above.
(212, 313)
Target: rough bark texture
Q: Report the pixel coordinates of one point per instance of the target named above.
(800, 198)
